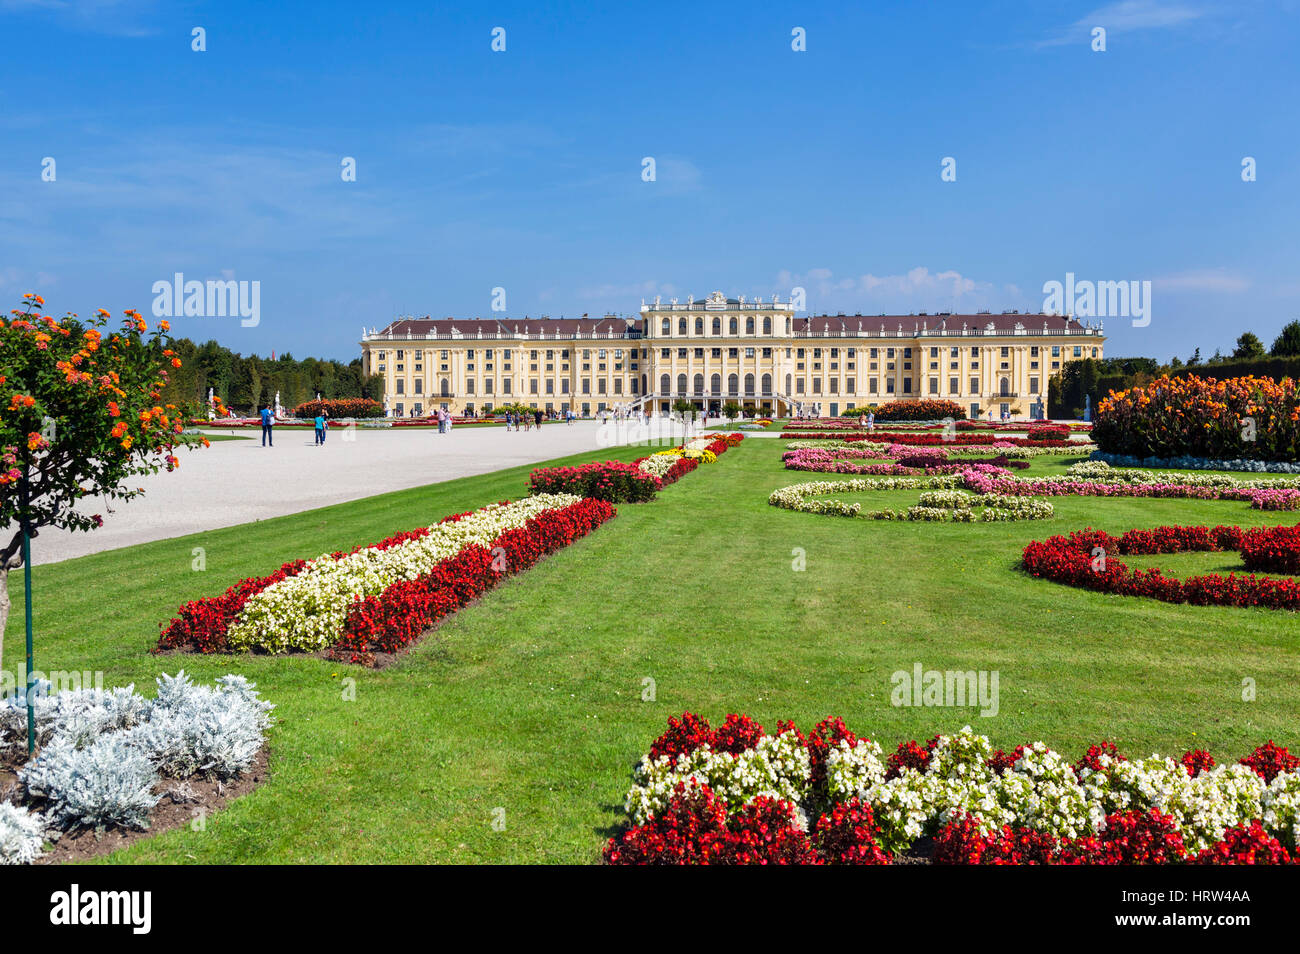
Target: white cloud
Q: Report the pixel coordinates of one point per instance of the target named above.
(1127, 16)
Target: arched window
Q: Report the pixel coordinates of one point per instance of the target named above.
(665, 384)
(733, 326)
(767, 326)
(749, 385)
(788, 379)
(767, 384)
(787, 325)
(446, 388)
(749, 326)
(681, 326)
(699, 384)
(667, 327)
(715, 384)
(733, 384)
(643, 385)
(717, 325)
(1006, 388)
(681, 384)
(699, 326)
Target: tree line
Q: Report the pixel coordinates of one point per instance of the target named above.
(246, 383)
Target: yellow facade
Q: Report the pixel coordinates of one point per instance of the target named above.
(763, 356)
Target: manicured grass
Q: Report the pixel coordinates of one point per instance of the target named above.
(531, 701)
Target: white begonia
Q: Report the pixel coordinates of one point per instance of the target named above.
(1281, 808)
(777, 766)
(308, 611)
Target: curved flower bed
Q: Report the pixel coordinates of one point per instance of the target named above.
(999, 447)
(737, 795)
(942, 503)
(841, 461)
(383, 596)
(1272, 549)
(1087, 559)
(1261, 495)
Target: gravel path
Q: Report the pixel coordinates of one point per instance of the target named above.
(234, 482)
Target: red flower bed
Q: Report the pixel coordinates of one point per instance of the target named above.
(397, 617)
(694, 829)
(1087, 559)
(1272, 549)
(201, 624)
(1129, 838)
(610, 480)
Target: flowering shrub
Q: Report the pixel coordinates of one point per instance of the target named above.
(920, 410)
(1249, 417)
(339, 407)
(1087, 559)
(694, 803)
(610, 480)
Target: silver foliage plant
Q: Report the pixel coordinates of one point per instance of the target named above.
(104, 752)
(21, 835)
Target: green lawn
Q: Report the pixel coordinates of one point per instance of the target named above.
(531, 700)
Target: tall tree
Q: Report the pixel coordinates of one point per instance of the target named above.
(1287, 344)
(1249, 347)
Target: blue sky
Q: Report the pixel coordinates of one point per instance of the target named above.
(775, 168)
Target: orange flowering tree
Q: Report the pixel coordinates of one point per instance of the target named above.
(1235, 418)
(78, 418)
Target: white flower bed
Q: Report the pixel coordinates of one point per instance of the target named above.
(307, 611)
(940, 503)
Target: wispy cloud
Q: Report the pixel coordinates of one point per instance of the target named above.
(113, 17)
(1128, 16)
(917, 289)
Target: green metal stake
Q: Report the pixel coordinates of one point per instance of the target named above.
(27, 587)
(27, 598)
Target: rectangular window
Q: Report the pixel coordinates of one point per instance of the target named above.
(873, 386)
(550, 386)
(1033, 385)
(849, 386)
(934, 385)
(505, 386)
(419, 386)
(586, 385)
(974, 385)
(798, 385)
(889, 385)
(952, 385)
(532, 386)
(401, 386)
(600, 386)
(907, 385)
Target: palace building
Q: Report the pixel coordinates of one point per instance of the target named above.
(716, 350)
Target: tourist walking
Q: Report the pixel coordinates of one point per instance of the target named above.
(537, 419)
(320, 429)
(267, 420)
(871, 422)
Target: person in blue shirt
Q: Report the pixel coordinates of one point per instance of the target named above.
(320, 428)
(267, 420)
